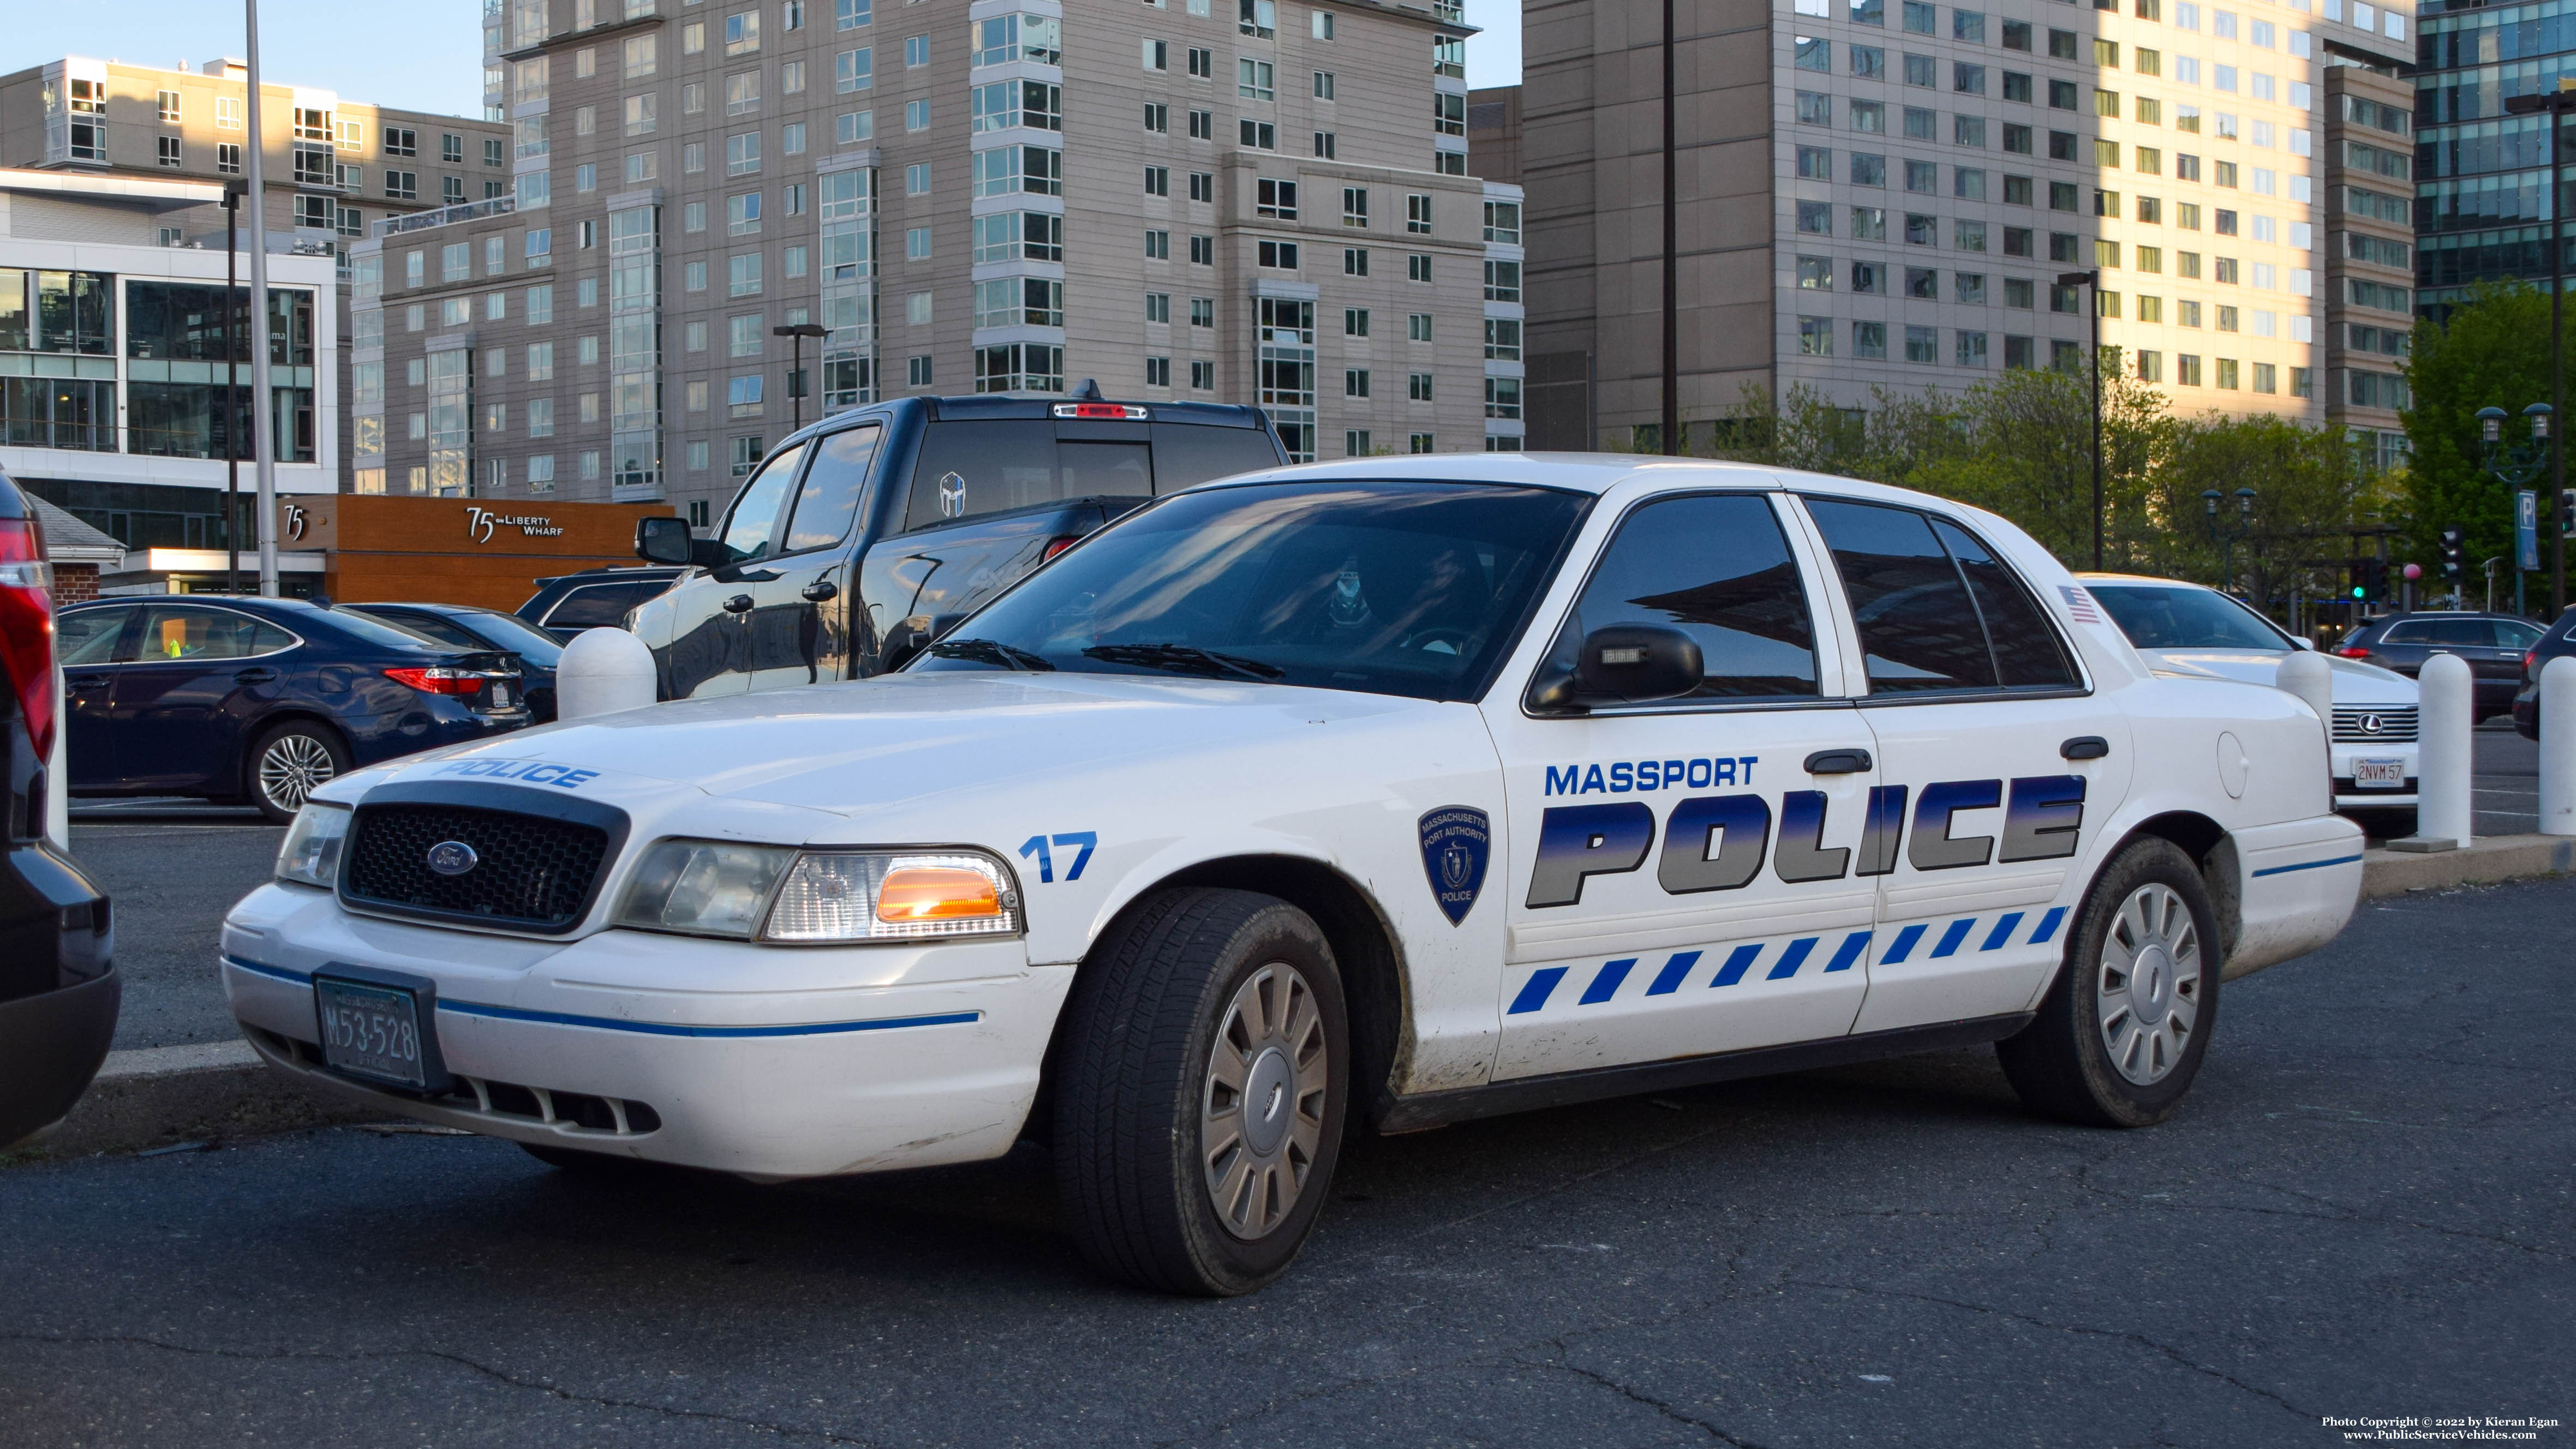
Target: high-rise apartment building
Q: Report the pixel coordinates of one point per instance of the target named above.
(2370, 246)
(2481, 191)
(1242, 201)
(1885, 194)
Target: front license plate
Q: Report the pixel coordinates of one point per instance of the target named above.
(2379, 774)
(371, 1031)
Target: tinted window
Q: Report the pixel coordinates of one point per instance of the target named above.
(1185, 453)
(379, 633)
(1382, 587)
(508, 631)
(2407, 633)
(2192, 618)
(593, 605)
(755, 510)
(829, 497)
(181, 632)
(88, 636)
(1107, 470)
(1718, 569)
(995, 465)
(2027, 654)
(1918, 626)
(2512, 635)
(431, 627)
(2445, 633)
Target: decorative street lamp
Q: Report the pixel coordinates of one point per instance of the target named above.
(2515, 467)
(799, 331)
(2556, 101)
(2225, 533)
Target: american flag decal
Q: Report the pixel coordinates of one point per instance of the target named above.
(2079, 604)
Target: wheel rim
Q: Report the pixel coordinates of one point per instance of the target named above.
(2150, 983)
(292, 768)
(1261, 1112)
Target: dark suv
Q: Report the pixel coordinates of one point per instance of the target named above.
(58, 989)
(567, 604)
(2561, 639)
(2492, 645)
(858, 540)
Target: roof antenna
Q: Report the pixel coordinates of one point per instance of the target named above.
(1087, 390)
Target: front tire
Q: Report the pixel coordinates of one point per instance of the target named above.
(289, 763)
(1202, 1085)
(2123, 1029)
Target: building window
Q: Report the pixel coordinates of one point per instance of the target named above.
(1355, 382)
(1417, 214)
(169, 149)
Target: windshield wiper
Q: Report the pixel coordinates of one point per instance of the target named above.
(1186, 659)
(987, 651)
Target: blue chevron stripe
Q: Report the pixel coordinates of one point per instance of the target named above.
(1951, 938)
(1904, 946)
(1792, 959)
(2001, 933)
(2048, 925)
(1738, 962)
(1605, 982)
(1669, 980)
(1534, 992)
(1848, 952)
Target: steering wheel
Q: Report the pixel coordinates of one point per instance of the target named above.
(1456, 639)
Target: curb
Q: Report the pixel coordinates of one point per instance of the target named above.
(183, 1095)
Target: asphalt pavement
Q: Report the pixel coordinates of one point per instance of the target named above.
(2363, 1210)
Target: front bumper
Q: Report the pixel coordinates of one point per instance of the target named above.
(769, 1062)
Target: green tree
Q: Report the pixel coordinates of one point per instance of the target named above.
(2491, 352)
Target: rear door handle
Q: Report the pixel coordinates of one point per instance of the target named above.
(821, 591)
(738, 604)
(2085, 747)
(255, 676)
(1838, 762)
(91, 681)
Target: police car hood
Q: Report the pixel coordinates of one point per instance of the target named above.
(2355, 682)
(905, 740)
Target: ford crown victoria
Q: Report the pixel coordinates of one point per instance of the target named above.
(1368, 795)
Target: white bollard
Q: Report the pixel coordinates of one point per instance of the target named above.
(2444, 815)
(2558, 746)
(603, 671)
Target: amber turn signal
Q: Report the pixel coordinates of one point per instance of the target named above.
(936, 893)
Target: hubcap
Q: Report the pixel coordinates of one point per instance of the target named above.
(2149, 989)
(1261, 1113)
(292, 768)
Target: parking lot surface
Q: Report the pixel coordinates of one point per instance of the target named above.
(2364, 1209)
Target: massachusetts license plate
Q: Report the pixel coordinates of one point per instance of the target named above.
(500, 696)
(371, 1031)
(2379, 774)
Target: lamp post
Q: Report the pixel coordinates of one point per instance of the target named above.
(2516, 467)
(2093, 279)
(2556, 101)
(233, 191)
(2224, 533)
(798, 332)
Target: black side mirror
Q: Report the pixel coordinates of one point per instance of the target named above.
(663, 541)
(1621, 664)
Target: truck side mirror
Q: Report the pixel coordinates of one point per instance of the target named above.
(663, 540)
(1622, 664)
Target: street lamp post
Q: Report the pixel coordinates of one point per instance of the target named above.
(233, 191)
(2093, 279)
(2517, 467)
(2556, 101)
(2226, 534)
(798, 332)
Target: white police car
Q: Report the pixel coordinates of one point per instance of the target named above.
(1389, 792)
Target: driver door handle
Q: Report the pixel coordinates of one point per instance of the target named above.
(255, 676)
(91, 681)
(2085, 747)
(821, 591)
(1838, 762)
(738, 604)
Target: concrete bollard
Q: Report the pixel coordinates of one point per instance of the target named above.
(2444, 814)
(603, 671)
(2558, 746)
(2306, 674)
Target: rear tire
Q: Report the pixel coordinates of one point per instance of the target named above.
(1201, 1091)
(289, 763)
(2122, 1031)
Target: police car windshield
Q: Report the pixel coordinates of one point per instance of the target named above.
(1385, 588)
(2186, 618)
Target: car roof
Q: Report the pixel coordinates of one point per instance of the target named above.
(2149, 580)
(1594, 473)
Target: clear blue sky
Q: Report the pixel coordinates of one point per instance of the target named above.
(422, 54)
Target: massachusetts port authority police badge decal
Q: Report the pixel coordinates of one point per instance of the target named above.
(1456, 842)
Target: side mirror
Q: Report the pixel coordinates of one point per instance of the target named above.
(663, 540)
(1622, 664)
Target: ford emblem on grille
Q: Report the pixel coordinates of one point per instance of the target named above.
(2370, 725)
(452, 857)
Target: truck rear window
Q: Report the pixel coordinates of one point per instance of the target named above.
(978, 466)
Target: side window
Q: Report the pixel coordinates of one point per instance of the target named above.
(2464, 633)
(88, 636)
(754, 516)
(2027, 653)
(1918, 628)
(1718, 569)
(829, 498)
(173, 632)
(2510, 635)
(2409, 632)
(1187, 453)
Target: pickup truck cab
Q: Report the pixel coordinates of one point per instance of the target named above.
(857, 540)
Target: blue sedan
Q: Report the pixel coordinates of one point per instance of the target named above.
(262, 700)
(534, 651)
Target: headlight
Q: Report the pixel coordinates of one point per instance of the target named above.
(837, 896)
(311, 854)
(703, 887)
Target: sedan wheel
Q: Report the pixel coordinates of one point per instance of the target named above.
(1261, 1117)
(2149, 993)
(289, 764)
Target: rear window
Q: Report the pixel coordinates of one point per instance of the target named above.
(973, 467)
(1936, 609)
(2185, 618)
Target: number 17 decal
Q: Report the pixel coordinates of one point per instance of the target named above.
(1037, 846)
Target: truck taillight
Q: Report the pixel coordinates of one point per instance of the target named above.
(27, 627)
(438, 679)
(1113, 411)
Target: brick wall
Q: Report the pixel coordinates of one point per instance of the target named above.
(74, 582)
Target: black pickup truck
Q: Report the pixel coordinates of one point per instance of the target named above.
(858, 539)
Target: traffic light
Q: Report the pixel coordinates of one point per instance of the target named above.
(2451, 553)
(2566, 511)
(2370, 579)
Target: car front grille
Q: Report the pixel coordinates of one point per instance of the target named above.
(2396, 725)
(528, 871)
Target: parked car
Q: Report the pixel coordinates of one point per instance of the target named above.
(2561, 639)
(261, 700)
(2185, 628)
(2492, 645)
(462, 626)
(593, 599)
(58, 984)
(859, 539)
